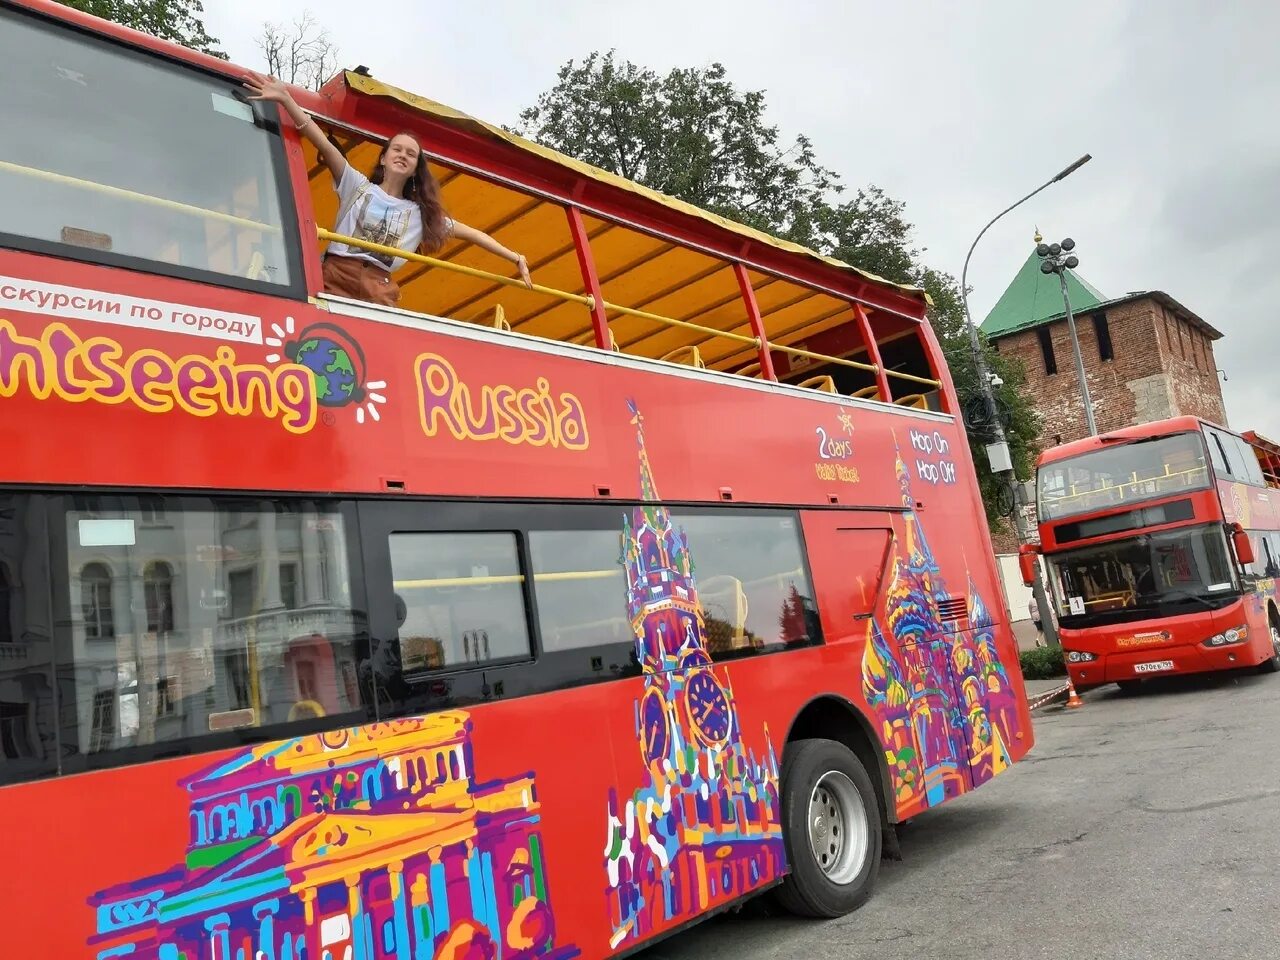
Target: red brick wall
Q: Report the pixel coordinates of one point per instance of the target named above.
(1162, 367)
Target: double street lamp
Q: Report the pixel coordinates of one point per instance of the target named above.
(1058, 258)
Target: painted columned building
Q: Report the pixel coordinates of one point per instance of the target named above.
(376, 841)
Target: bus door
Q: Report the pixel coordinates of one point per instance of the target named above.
(881, 587)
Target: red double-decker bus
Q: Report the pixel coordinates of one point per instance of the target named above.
(506, 622)
(1162, 543)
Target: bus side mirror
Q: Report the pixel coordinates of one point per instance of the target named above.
(1027, 563)
(1244, 546)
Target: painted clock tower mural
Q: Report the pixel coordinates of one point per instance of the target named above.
(704, 826)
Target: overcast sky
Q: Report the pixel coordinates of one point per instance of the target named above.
(956, 109)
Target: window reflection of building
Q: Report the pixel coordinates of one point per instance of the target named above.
(27, 738)
(215, 618)
(95, 602)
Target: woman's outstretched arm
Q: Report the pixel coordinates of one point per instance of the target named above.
(273, 90)
(486, 242)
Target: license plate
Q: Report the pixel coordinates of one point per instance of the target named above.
(1155, 666)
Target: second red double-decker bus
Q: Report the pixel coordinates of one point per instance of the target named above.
(1162, 543)
(503, 623)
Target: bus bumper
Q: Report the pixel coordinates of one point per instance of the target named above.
(1163, 662)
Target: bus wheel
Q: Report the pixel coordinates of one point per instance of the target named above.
(1272, 665)
(831, 826)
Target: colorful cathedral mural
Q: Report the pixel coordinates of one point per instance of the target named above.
(373, 841)
(942, 696)
(705, 824)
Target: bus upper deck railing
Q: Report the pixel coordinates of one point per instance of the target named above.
(821, 382)
(590, 303)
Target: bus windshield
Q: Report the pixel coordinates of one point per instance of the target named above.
(1121, 474)
(1148, 575)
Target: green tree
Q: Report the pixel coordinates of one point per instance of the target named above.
(693, 134)
(180, 21)
(690, 134)
(1021, 422)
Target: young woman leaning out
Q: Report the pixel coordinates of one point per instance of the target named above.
(396, 205)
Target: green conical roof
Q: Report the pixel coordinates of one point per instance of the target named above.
(1034, 297)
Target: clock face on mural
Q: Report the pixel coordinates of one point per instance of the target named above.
(708, 707)
(694, 659)
(655, 727)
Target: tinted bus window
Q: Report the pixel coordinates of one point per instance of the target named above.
(753, 585)
(28, 734)
(114, 156)
(462, 597)
(176, 624)
(1251, 470)
(579, 587)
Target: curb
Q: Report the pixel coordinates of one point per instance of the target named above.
(1046, 698)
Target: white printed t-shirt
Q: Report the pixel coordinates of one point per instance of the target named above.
(367, 212)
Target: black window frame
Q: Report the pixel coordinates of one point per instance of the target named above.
(266, 118)
(1046, 350)
(365, 519)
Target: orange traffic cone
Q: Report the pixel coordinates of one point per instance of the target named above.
(1073, 698)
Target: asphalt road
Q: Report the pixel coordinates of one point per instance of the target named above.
(1145, 826)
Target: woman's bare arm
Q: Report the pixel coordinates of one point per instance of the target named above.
(273, 90)
(486, 242)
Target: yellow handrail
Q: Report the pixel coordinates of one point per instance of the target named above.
(503, 578)
(396, 253)
(936, 384)
(589, 302)
(145, 198)
(796, 351)
(671, 322)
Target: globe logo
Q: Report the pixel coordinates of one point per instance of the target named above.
(335, 371)
(337, 362)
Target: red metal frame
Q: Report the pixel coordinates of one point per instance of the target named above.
(873, 351)
(590, 280)
(757, 324)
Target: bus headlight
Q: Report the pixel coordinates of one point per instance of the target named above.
(1229, 637)
(1079, 656)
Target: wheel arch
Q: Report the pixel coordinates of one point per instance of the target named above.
(833, 717)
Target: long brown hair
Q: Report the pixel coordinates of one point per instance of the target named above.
(422, 189)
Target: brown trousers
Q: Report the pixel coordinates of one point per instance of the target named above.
(359, 279)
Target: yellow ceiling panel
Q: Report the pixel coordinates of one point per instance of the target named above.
(666, 272)
(694, 299)
(617, 252)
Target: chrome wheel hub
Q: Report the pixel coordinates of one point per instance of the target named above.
(838, 832)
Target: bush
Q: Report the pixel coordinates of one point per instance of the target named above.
(1042, 663)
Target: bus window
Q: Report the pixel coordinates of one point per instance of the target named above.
(28, 744)
(579, 588)
(752, 582)
(1251, 470)
(463, 596)
(181, 629)
(191, 184)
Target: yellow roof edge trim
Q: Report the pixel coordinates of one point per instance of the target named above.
(374, 88)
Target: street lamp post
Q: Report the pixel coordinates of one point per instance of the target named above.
(998, 450)
(1058, 258)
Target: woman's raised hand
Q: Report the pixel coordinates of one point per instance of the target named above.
(266, 88)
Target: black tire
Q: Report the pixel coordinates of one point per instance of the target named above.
(808, 890)
(1129, 687)
(1272, 663)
